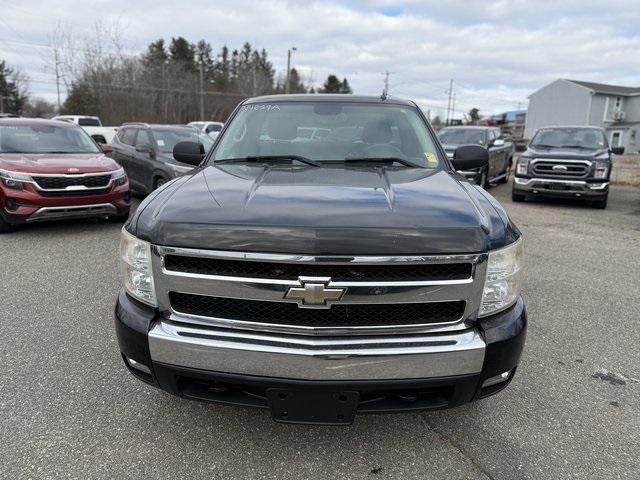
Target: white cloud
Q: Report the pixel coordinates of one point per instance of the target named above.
(497, 51)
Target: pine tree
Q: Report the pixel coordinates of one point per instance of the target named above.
(80, 101)
(332, 85)
(156, 53)
(12, 98)
(183, 52)
(295, 84)
(346, 88)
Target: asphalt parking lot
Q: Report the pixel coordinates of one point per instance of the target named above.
(69, 409)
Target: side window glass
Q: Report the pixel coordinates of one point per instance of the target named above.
(129, 136)
(143, 139)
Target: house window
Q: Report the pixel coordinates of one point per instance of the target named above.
(616, 138)
(618, 103)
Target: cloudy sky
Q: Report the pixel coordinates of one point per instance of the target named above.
(496, 51)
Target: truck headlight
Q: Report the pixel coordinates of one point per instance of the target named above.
(137, 274)
(13, 180)
(503, 282)
(602, 167)
(522, 167)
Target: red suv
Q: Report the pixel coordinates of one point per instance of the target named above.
(53, 170)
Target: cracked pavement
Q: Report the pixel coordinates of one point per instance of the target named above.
(69, 409)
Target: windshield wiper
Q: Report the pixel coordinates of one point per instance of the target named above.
(577, 146)
(266, 158)
(399, 160)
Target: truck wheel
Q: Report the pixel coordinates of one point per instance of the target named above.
(602, 204)
(158, 182)
(505, 179)
(6, 227)
(484, 178)
(517, 197)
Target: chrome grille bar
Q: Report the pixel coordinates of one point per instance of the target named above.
(357, 291)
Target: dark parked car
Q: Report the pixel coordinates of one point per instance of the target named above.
(146, 153)
(500, 151)
(566, 162)
(323, 276)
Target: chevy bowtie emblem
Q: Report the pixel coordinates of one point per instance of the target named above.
(315, 293)
(73, 170)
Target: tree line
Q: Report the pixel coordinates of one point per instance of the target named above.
(170, 82)
(174, 82)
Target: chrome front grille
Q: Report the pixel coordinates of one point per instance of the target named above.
(561, 168)
(381, 294)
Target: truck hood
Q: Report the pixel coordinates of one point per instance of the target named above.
(331, 210)
(57, 162)
(450, 147)
(569, 153)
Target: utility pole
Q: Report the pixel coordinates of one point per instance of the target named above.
(287, 84)
(165, 86)
(385, 92)
(201, 65)
(255, 80)
(450, 92)
(55, 59)
(1, 103)
(453, 107)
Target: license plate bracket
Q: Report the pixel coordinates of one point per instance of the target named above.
(333, 407)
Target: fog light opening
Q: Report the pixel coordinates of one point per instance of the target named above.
(491, 381)
(141, 367)
(11, 204)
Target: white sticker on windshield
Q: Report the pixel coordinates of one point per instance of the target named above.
(268, 107)
(161, 143)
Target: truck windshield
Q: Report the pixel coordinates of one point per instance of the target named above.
(329, 132)
(462, 136)
(587, 138)
(45, 139)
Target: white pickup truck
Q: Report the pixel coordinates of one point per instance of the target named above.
(91, 125)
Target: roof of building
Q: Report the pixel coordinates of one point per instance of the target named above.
(609, 89)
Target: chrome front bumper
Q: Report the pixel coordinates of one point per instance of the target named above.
(311, 358)
(73, 211)
(555, 187)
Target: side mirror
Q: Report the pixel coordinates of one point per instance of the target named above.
(617, 150)
(105, 148)
(469, 157)
(499, 142)
(190, 153)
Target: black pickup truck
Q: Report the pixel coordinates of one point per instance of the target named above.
(566, 162)
(321, 277)
(500, 151)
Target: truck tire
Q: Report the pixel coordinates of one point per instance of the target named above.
(601, 204)
(6, 227)
(158, 182)
(484, 178)
(505, 179)
(517, 197)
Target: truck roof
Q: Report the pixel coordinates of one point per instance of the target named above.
(329, 97)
